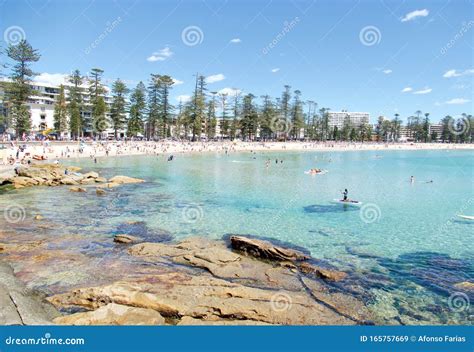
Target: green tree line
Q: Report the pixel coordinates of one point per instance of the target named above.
(86, 105)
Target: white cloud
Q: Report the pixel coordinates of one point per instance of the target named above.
(183, 98)
(414, 14)
(52, 79)
(161, 55)
(423, 91)
(388, 71)
(457, 101)
(274, 70)
(455, 73)
(215, 78)
(176, 82)
(229, 91)
(407, 89)
(236, 40)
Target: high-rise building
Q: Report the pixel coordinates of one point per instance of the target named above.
(337, 118)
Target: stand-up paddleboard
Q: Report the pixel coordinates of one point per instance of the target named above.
(348, 202)
(316, 173)
(467, 217)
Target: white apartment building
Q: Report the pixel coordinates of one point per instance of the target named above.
(337, 118)
(42, 108)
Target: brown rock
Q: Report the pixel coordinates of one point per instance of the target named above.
(109, 185)
(68, 181)
(322, 273)
(100, 180)
(77, 189)
(113, 314)
(126, 239)
(87, 181)
(91, 174)
(125, 179)
(206, 298)
(38, 217)
(216, 258)
(100, 192)
(186, 321)
(465, 286)
(19, 305)
(265, 250)
(343, 304)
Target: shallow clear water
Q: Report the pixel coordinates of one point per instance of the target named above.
(405, 244)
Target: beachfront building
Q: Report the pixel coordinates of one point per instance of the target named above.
(42, 102)
(337, 118)
(406, 134)
(436, 130)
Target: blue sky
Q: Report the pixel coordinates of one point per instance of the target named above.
(354, 55)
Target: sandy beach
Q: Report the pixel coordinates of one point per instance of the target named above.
(62, 150)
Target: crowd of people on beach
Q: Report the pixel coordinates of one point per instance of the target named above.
(23, 152)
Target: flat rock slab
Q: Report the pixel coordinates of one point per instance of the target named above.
(217, 259)
(114, 314)
(19, 305)
(206, 298)
(233, 289)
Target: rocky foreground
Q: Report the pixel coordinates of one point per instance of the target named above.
(241, 281)
(56, 175)
(237, 281)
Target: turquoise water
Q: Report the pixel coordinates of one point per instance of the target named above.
(405, 245)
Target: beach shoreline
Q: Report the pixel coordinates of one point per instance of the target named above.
(52, 151)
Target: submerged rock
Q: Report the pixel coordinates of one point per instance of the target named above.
(19, 305)
(465, 286)
(113, 314)
(126, 239)
(323, 273)
(77, 189)
(125, 180)
(100, 192)
(141, 230)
